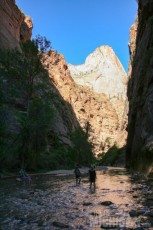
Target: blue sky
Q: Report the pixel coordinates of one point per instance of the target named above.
(77, 27)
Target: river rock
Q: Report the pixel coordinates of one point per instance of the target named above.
(133, 213)
(149, 201)
(150, 213)
(87, 203)
(146, 225)
(109, 226)
(94, 214)
(60, 225)
(131, 191)
(106, 203)
(139, 228)
(135, 196)
(124, 228)
(142, 211)
(150, 198)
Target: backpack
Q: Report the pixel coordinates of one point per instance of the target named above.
(77, 172)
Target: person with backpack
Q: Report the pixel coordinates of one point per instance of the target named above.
(92, 177)
(77, 174)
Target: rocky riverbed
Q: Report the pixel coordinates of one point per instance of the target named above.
(120, 201)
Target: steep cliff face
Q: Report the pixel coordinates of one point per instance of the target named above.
(65, 121)
(103, 73)
(132, 45)
(14, 25)
(140, 91)
(87, 105)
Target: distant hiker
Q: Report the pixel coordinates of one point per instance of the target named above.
(24, 176)
(77, 174)
(92, 177)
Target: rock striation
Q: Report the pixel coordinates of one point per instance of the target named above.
(102, 72)
(140, 91)
(14, 25)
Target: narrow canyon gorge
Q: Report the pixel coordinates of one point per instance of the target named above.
(56, 116)
(99, 92)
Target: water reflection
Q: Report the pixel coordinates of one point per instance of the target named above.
(55, 202)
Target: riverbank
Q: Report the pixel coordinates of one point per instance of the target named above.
(60, 172)
(83, 170)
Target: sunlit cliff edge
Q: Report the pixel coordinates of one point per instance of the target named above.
(102, 72)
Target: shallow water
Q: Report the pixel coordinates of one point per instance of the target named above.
(55, 202)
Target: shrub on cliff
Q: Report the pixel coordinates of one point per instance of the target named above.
(82, 149)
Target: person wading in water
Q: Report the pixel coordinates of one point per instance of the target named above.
(24, 177)
(77, 174)
(92, 177)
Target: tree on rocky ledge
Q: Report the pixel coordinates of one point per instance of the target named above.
(42, 43)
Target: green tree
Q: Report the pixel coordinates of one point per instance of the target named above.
(26, 93)
(34, 128)
(23, 71)
(82, 147)
(42, 43)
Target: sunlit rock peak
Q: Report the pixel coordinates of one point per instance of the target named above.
(102, 72)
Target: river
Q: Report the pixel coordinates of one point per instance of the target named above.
(120, 201)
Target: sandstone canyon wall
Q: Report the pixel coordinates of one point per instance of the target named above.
(104, 114)
(103, 73)
(14, 25)
(140, 90)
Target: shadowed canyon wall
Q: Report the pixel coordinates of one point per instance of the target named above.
(140, 90)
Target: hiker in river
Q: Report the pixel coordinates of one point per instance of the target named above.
(24, 177)
(77, 174)
(92, 177)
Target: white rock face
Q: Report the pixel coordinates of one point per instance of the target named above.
(102, 72)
